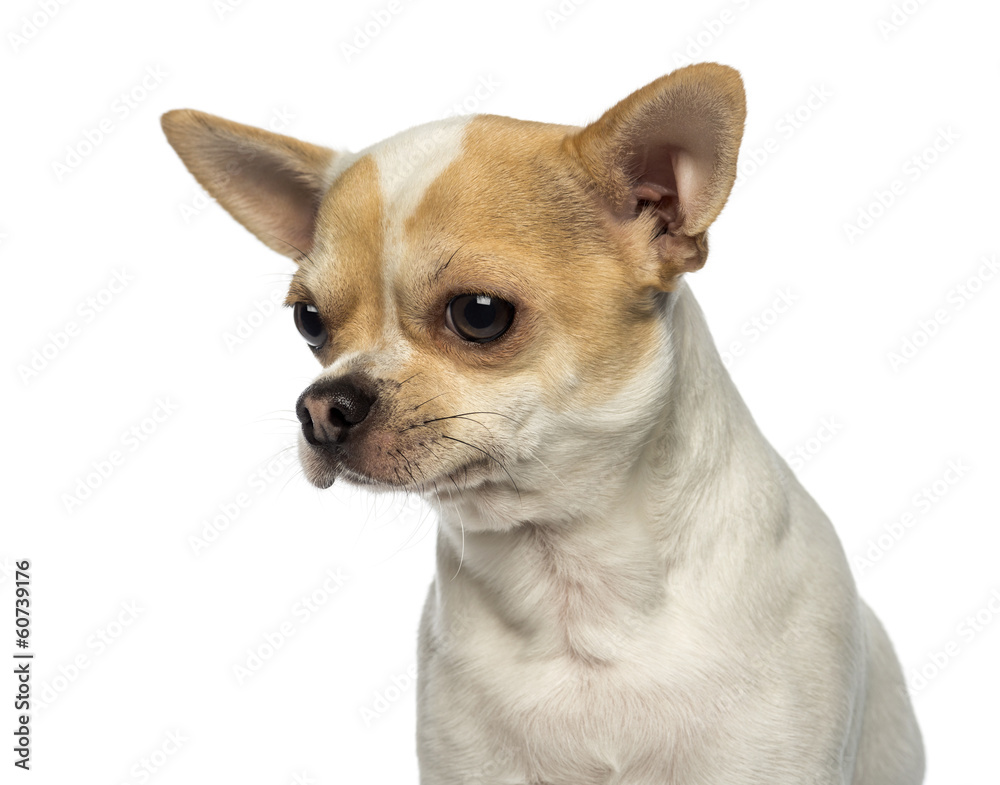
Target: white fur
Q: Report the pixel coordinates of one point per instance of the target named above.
(674, 609)
(411, 160)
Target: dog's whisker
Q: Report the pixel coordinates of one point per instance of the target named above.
(491, 457)
(280, 411)
(461, 523)
(466, 414)
(545, 466)
(428, 401)
(299, 250)
(469, 419)
(280, 452)
(407, 542)
(407, 467)
(299, 472)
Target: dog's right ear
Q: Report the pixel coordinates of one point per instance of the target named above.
(272, 184)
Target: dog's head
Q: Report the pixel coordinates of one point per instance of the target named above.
(485, 295)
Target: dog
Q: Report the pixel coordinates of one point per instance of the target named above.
(632, 587)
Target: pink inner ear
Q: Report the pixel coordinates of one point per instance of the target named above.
(667, 208)
(670, 178)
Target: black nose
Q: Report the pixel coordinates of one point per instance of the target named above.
(329, 408)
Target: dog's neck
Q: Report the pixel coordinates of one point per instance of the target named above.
(703, 476)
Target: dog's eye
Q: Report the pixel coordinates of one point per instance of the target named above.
(310, 325)
(478, 317)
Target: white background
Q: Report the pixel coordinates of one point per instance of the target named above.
(873, 436)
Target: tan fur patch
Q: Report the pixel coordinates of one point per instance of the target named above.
(343, 276)
(516, 217)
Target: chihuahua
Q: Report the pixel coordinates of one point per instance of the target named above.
(632, 587)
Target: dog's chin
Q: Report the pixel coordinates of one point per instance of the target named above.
(318, 471)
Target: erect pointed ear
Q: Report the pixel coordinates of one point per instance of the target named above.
(666, 158)
(272, 184)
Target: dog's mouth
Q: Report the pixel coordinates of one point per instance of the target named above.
(356, 429)
(416, 468)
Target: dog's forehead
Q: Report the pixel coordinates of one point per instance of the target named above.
(360, 220)
(409, 162)
(512, 181)
(449, 183)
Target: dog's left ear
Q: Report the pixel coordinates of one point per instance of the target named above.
(669, 151)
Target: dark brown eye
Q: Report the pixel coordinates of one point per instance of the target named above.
(478, 317)
(310, 325)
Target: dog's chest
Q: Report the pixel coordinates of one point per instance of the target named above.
(564, 720)
(542, 664)
(582, 699)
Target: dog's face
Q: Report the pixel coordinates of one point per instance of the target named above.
(485, 294)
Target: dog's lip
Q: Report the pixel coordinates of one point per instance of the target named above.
(325, 464)
(360, 478)
(324, 477)
(325, 480)
(456, 479)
